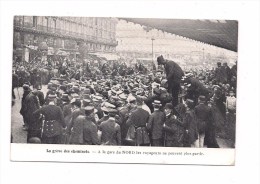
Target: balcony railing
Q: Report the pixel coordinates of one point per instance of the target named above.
(66, 33)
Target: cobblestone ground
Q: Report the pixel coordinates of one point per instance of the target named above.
(19, 135)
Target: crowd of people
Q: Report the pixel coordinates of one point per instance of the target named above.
(116, 104)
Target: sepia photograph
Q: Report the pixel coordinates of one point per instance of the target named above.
(129, 91)
(119, 81)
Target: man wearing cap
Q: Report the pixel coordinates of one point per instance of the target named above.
(155, 124)
(53, 122)
(66, 105)
(26, 91)
(76, 111)
(174, 75)
(67, 112)
(123, 113)
(39, 94)
(105, 108)
(195, 88)
(220, 73)
(204, 116)
(190, 125)
(173, 128)
(52, 90)
(111, 132)
(138, 118)
(227, 71)
(31, 104)
(15, 83)
(84, 130)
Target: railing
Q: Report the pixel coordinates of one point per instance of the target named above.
(63, 32)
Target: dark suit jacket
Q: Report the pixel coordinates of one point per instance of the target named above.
(84, 132)
(203, 112)
(52, 112)
(111, 133)
(104, 118)
(123, 116)
(191, 133)
(41, 97)
(74, 115)
(155, 124)
(31, 105)
(139, 117)
(173, 71)
(198, 88)
(173, 129)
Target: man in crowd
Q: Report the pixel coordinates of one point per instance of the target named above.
(111, 133)
(84, 130)
(220, 73)
(53, 123)
(138, 119)
(31, 104)
(174, 75)
(23, 111)
(15, 83)
(141, 96)
(203, 113)
(155, 124)
(195, 88)
(173, 128)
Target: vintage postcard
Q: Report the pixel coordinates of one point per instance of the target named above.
(124, 90)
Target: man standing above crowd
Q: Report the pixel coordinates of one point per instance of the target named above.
(174, 75)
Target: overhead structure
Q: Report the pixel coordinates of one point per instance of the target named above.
(220, 33)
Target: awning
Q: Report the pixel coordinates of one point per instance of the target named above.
(220, 33)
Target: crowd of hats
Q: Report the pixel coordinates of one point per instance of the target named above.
(107, 92)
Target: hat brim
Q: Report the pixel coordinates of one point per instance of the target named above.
(157, 104)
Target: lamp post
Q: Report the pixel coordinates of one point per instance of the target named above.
(152, 47)
(203, 56)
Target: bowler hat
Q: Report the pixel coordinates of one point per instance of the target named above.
(26, 87)
(202, 98)
(86, 102)
(51, 96)
(160, 59)
(106, 106)
(168, 106)
(65, 97)
(89, 110)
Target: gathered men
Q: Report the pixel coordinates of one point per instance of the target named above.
(165, 108)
